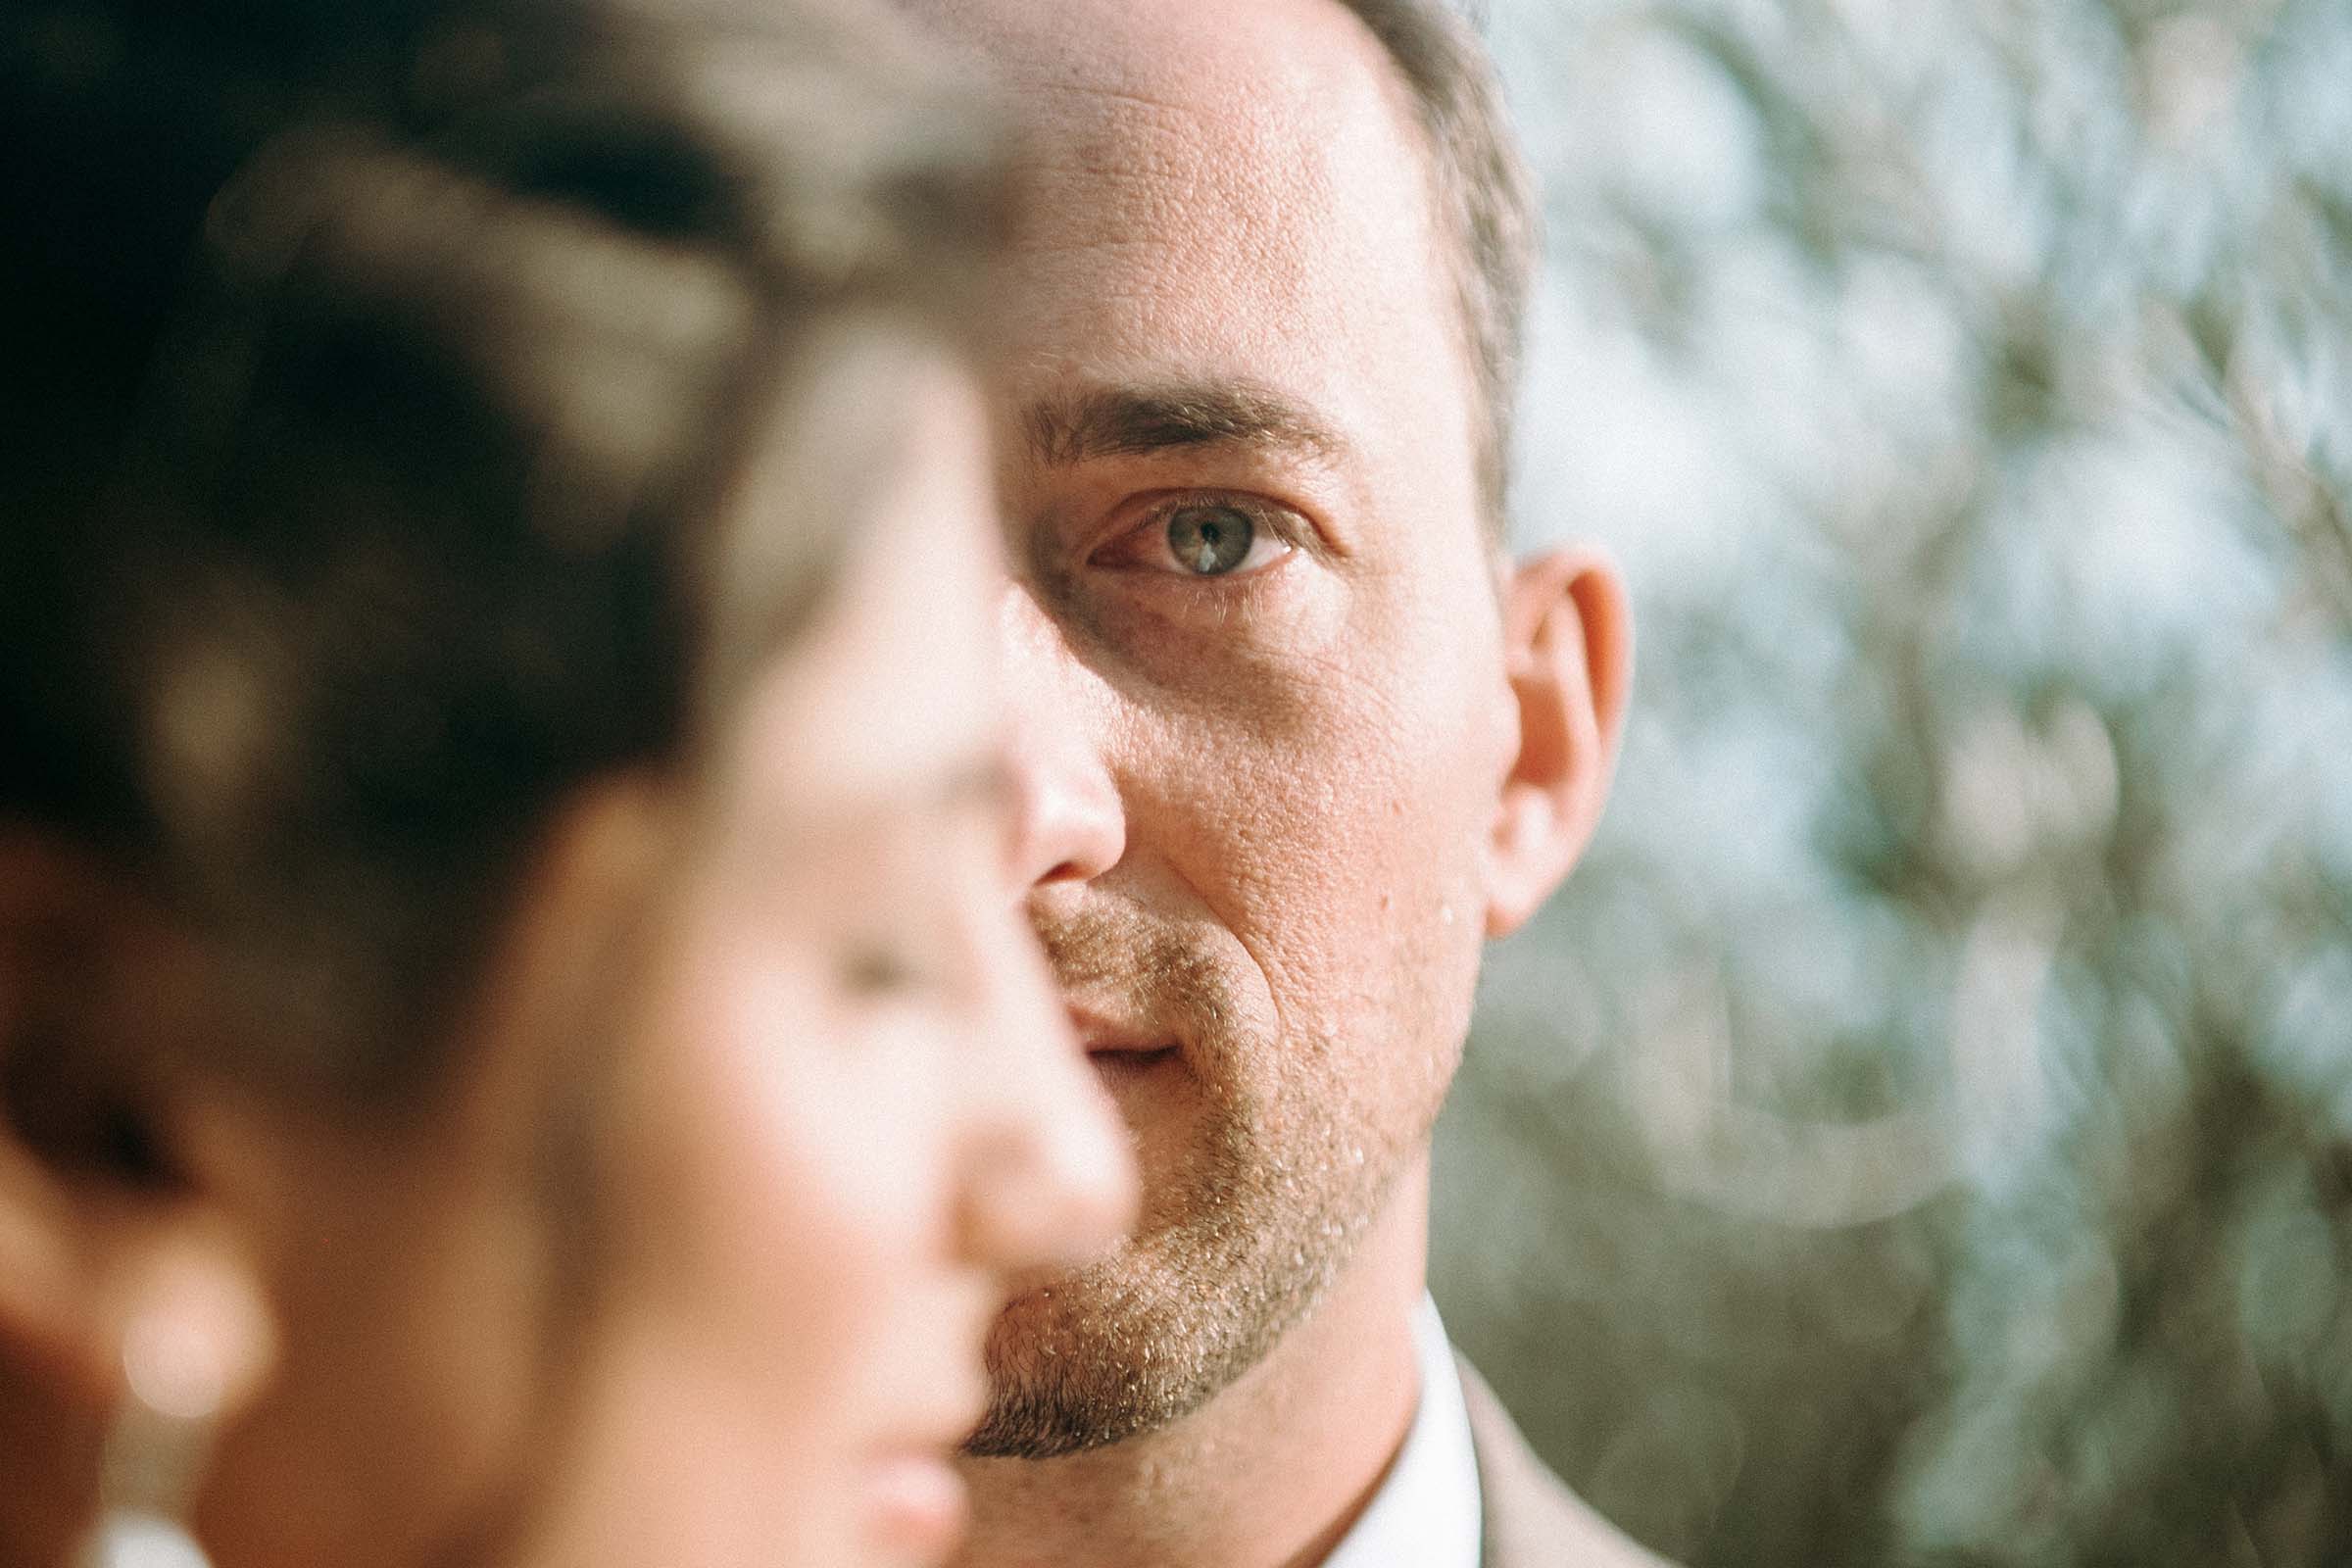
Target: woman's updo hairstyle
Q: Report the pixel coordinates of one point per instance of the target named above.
(385, 373)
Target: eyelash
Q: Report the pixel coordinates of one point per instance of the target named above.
(1293, 532)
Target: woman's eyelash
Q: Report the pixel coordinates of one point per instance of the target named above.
(877, 969)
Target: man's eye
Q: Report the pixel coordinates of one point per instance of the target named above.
(1212, 540)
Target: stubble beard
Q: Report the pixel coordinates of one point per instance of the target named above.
(1236, 1246)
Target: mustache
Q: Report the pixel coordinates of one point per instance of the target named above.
(1156, 970)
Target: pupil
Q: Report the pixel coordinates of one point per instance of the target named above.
(1210, 540)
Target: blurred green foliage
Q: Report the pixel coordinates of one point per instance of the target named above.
(1923, 1129)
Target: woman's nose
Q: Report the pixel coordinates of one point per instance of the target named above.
(1049, 1172)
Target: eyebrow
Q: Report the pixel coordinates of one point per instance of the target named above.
(1139, 420)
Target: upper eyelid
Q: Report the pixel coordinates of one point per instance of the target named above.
(1288, 522)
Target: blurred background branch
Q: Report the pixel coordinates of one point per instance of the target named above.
(1919, 1131)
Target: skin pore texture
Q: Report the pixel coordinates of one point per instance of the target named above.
(1292, 742)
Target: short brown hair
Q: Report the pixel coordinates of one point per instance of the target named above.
(1482, 194)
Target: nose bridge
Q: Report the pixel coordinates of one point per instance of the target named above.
(1068, 822)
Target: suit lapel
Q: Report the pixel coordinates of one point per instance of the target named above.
(1530, 1519)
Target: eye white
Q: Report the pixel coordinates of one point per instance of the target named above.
(1214, 540)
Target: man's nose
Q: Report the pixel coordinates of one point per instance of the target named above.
(1069, 823)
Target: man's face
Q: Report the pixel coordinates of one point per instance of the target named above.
(1249, 561)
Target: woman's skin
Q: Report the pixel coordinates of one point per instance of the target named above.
(761, 1106)
(855, 1110)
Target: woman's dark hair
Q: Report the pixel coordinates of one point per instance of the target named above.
(381, 374)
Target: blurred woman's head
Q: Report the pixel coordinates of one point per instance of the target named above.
(504, 967)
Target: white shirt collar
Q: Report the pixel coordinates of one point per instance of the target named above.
(1427, 1512)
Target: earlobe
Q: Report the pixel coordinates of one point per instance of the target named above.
(96, 1257)
(1568, 643)
(192, 1340)
(50, 900)
(132, 1320)
(42, 1314)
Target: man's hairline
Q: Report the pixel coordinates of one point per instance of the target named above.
(1493, 410)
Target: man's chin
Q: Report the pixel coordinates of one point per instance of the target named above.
(1048, 1319)
(1098, 1357)
(1074, 1363)
(1217, 1270)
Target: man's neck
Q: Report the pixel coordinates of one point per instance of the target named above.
(1270, 1473)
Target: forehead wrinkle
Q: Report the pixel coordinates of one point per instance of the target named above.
(1245, 103)
(1226, 161)
(1207, 117)
(1233, 196)
(1237, 189)
(1171, 56)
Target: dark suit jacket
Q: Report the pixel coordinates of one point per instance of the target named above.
(1532, 1520)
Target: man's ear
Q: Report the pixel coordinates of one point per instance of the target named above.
(111, 1269)
(1568, 643)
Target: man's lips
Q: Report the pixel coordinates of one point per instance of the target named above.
(1115, 1048)
(1104, 1034)
(1118, 1068)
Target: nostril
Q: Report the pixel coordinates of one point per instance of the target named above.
(1069, 824)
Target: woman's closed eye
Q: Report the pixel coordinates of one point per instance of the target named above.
(879, 969)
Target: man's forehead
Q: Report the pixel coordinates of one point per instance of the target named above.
(1229, 197)
(1275, 65)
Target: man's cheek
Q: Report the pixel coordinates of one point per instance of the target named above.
(1284, 642)
(1331, 857)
